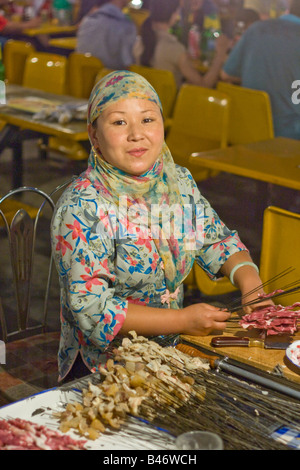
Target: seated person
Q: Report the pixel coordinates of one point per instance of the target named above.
(108, 34)
(85, 7)
(121, 255)
(11, 29)
(158, 48)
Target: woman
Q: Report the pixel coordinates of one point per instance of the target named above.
(126, 233)
(158, 48)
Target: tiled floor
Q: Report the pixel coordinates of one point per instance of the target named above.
(32, 366)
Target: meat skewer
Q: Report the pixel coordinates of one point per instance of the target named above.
(260, 299)
(264, 284)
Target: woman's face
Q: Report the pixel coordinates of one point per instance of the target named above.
(129, 134)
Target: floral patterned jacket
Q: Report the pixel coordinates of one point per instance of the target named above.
(100, 273)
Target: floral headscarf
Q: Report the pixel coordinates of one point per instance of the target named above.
(157, 188)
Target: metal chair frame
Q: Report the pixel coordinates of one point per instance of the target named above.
(21, 235)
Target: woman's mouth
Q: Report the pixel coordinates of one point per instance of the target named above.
(137, 152)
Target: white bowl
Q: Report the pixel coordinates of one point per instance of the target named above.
(199, 440)
(293, 353)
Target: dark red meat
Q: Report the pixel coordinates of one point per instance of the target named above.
(273, 319)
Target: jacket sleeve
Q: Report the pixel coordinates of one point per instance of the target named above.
(83, 248)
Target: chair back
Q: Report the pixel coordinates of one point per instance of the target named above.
(250, 118)
(82, 72)
(47, 72)
(15, 54)
(163, 82)
(21, 314)
(199, 123)
(280, 250)
(208, 286)
(102, 73)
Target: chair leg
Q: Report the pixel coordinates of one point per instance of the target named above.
(43, 148)
(17, 170)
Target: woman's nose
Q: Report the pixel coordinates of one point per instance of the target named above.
(135, 132)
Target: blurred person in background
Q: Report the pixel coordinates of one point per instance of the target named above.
(160, 49)
(267, 58)
(12, 28)
(109, 35)
(268, 8)
(85, 7)
(193, 12)
(245, 17)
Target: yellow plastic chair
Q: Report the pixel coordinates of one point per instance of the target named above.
(82, 72)
(250, 118)
(15, 54)
(46, 71)
(280, 250)
(102, 73)
(10, 206)
(198, 279)
(163, 82)
(212, 287)
(199, 123)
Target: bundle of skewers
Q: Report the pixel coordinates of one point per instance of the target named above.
(269, 319)
(171, 390)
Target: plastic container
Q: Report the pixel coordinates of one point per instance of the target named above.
(194, 42)
(62, 11)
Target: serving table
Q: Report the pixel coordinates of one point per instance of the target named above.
(234, 403)
(273, 362)
(20, 123)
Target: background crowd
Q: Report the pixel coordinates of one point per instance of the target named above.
(254, 43)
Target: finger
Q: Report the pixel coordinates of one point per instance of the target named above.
(219, 325)
(222, 315)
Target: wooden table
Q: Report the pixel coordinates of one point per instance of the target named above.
(266, 360)
(275, 161)
(21, 125)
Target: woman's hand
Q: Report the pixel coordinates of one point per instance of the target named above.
(255, 296)
(200, 319)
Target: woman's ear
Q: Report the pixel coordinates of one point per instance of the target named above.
(92, 131)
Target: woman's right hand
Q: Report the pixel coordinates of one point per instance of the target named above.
(200, 319)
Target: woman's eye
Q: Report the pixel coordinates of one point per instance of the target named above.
(148, 120)
(119, 122)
